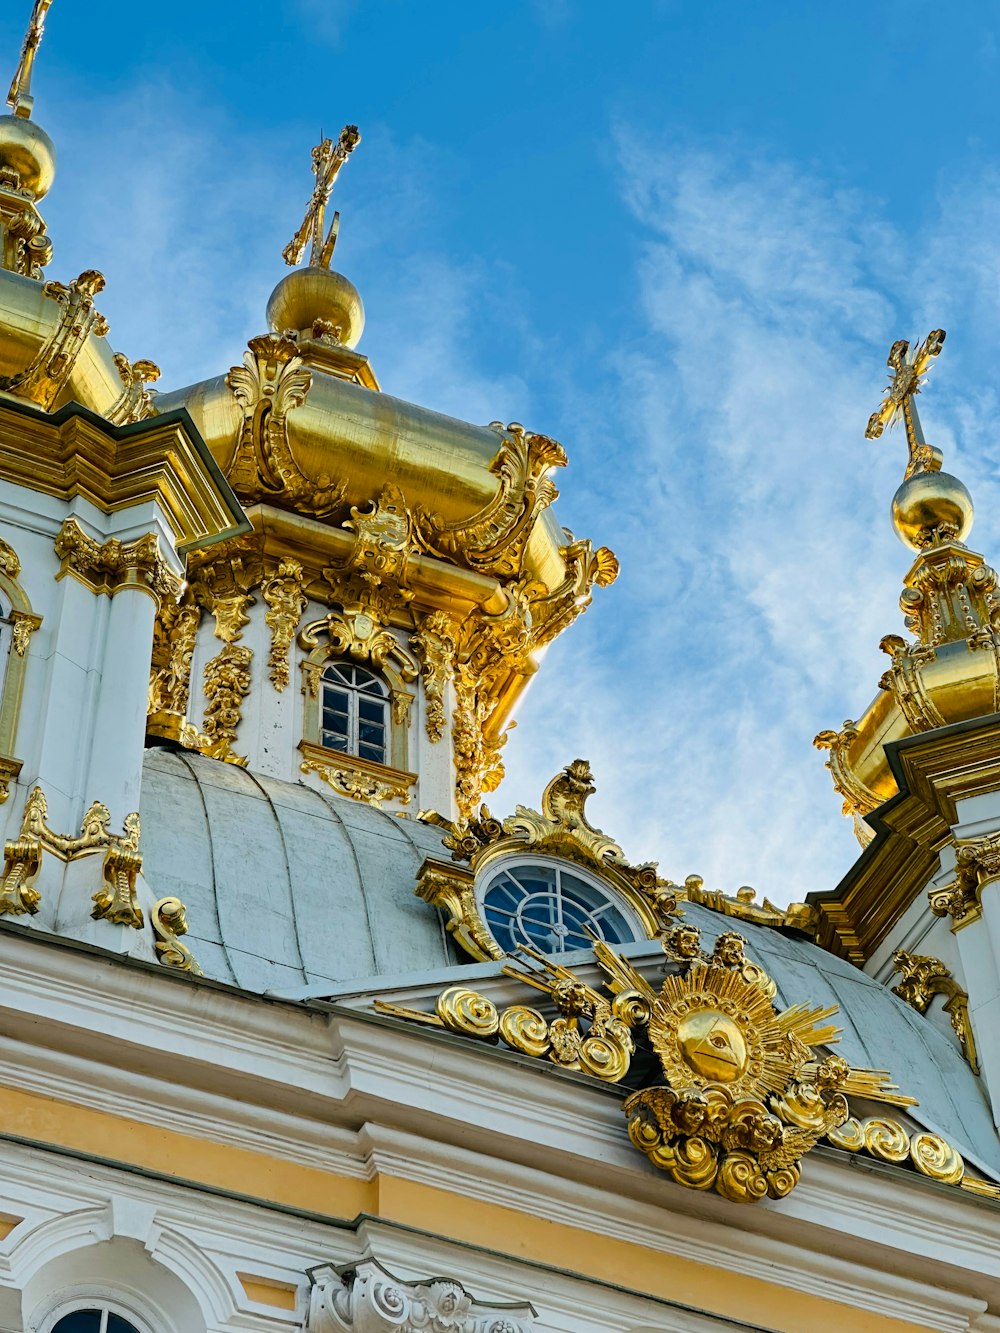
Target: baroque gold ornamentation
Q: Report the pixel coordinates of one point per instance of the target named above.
(272, 382)
(359, 778)
(136, 402)
(285, 604)
(888, 1141)
(921, 978)
(435, 644)
(977, 863)
(494, 539)
(744, 906)
(859, 801)
(327, 160)
(174, 633)
(169, 922)
(561, 829)
(23, 859)
(226, 684)
(112, 565)
(746, 1092)
(10, 561)
(23, 625)
(44, 378)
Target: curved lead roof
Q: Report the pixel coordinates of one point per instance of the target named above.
(290, 887)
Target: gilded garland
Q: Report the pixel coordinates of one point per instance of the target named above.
(746, 1092)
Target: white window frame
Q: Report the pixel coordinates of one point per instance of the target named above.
(354, 694)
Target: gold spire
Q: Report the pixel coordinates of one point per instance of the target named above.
(19, 96)
(327, 159)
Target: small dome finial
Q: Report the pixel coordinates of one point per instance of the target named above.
(930, 506)
(314, 299)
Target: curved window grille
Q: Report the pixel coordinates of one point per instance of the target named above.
(552, 909)
(95, 1319)
(354, 708)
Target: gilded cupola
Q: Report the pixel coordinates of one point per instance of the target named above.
(405, 571)
(948, 669)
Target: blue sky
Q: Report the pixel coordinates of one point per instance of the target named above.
(680, 238)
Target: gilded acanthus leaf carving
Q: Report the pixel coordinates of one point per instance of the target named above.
(44, 378)
(435, 644)
(746, 1091)
(285, 604)
(226, 685)
(921, 977)
(271, 383)
(174, 634)
(107, 567)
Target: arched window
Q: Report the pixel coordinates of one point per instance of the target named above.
(94, 1319)
(354, 712)
(553, 909)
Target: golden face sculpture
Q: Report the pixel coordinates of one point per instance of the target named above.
(712, 1045)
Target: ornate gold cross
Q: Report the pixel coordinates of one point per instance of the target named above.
(909, 366)
(19, 96)
(327, 159)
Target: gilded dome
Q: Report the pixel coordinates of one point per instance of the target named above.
(27, 153)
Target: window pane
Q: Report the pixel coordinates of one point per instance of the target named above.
(376, 753)
(331, 741)
(371, 710)
(83, 1321)
(552, 910)
(116, 1324)
(334, 721)
(371, 733)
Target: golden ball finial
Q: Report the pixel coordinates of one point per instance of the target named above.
(931, 507)
(316, 301)
(27, 157)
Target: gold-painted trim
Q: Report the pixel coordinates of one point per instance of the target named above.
(350, 775)
(24, 623)
(108, 567)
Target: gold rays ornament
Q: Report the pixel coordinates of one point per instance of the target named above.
(747, 1089)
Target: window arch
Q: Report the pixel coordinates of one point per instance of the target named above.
(355, 712)
(554, 908)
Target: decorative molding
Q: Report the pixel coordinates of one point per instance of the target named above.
(366, 1298)
(744, 907)
(169, 921)
(357, 634)
(361, 779)
(110, 566)
(23, 623)
(435, 644)
(746, 1092)
(921, 978)
(46, 375)
(560, 829)
(285, 604)
(114, 901)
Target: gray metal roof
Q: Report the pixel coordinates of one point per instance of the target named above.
(285, 885)
(309, 894)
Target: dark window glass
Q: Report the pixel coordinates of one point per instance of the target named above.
(80, 1321)
(552, 910)
(354, 712)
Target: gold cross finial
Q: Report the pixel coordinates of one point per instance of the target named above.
(327, 159)
(19, 96)
(909, 367)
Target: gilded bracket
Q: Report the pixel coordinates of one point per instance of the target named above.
(174, 634)
(169, 921)
(921, 978)
(358, 778)
(136, 401)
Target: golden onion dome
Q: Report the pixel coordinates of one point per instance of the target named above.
(27, 156)
(317, 301)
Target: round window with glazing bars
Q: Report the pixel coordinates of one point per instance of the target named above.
(553, 908)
